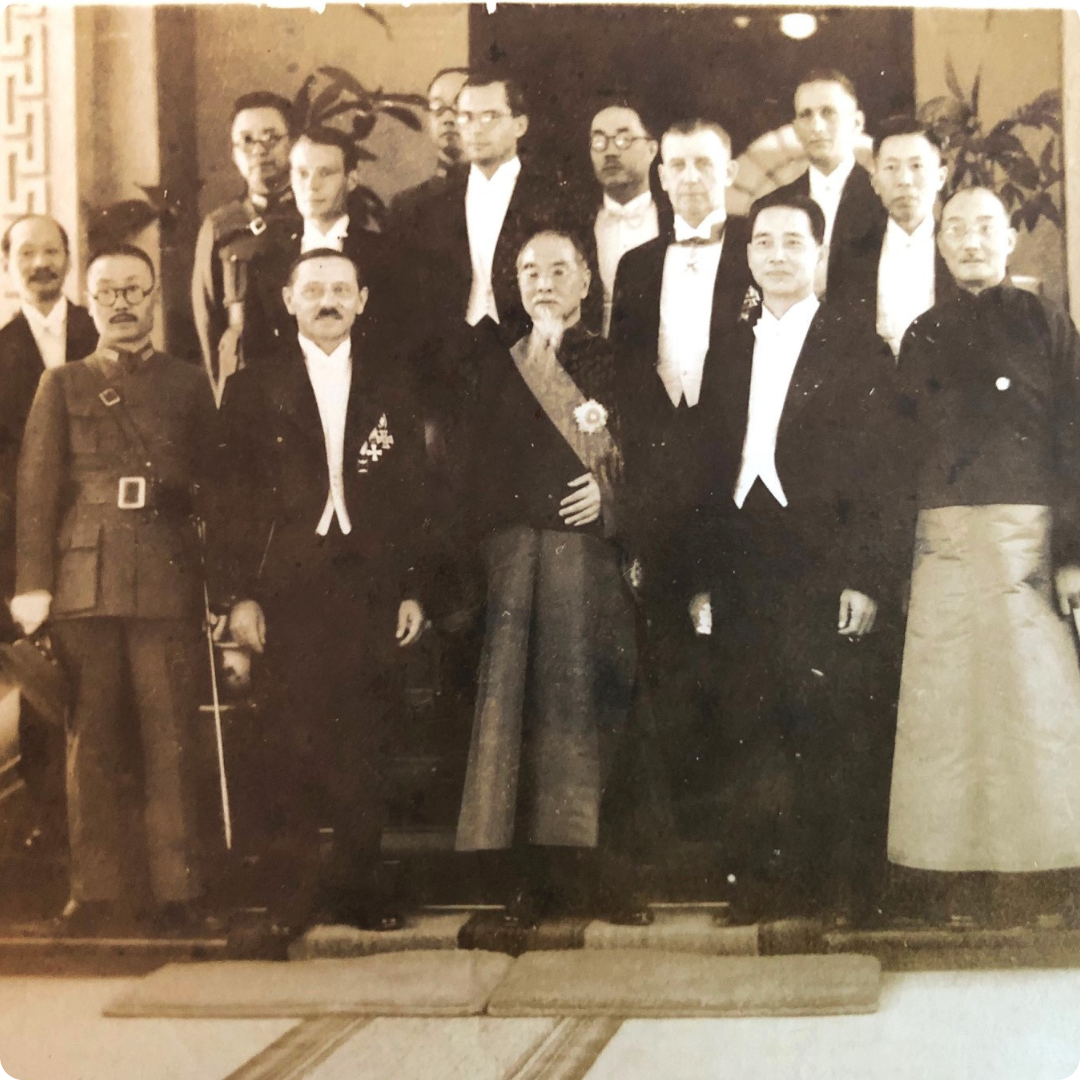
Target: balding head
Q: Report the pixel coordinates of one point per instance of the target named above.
(976, 238)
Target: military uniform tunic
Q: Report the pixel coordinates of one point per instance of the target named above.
(127, 592)
(230, 237)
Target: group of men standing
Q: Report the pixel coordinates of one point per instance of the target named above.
(691, 454)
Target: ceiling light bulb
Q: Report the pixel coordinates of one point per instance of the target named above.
(798, 25)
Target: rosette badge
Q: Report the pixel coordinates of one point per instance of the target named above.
(591, 417)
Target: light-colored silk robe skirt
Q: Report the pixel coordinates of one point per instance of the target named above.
(987, 767)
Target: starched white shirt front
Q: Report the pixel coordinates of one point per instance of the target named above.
(777, 345)
(331, 379)
(486, 203)
(619, 228)
(686, 299)
(826, 191)
(50, 332)
(334, 237)
(905, 279)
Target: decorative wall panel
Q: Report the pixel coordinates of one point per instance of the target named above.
(24, 121)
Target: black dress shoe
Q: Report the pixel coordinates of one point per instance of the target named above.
(386, 922)
(523, 911)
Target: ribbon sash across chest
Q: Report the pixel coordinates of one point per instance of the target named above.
(558, 395)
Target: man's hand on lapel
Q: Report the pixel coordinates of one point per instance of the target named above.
(857, 614)
(410, 622)
(583, 506)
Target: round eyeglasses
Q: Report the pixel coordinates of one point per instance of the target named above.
(623, 140)
(132, 294)
(250, 143)
(484, 119)
(958, 231)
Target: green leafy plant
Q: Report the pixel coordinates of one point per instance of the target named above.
(1021, 157)
(329, 96)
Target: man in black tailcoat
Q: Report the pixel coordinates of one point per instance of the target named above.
(321, 542)
(828, 122)
(47, 332)
(677, 300)
(790, 550)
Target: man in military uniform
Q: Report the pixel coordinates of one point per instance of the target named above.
(232, 234)
(107, 552)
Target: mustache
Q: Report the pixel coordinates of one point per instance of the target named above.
(43, 276)
(328, 313)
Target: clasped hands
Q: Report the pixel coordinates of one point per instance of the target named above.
(857, 613)
(246, 624)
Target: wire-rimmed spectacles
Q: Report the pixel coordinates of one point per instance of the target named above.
(484, 119)
(107, 296)
(623, 140)
(250, 143)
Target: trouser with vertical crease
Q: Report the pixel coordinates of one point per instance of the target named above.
(135, 690)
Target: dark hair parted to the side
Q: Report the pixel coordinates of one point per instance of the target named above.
(515, 96)
(264, 99)
(804, 203)
(324, 253)
(829, 75)
(696, 124)
(329, 136)
(5, 241)
(447, 71)
(571, 237)
(622, 102)
(907, 125)
(116, 251)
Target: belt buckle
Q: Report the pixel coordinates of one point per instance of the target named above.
(131, 494)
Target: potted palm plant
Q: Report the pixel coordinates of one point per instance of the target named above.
(1021, 156)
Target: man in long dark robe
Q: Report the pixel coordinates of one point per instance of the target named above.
(987, 769)
(558, 659)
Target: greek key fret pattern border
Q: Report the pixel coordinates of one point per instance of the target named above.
(24, 122)
(24, 119)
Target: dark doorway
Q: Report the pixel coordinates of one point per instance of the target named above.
(732, 64)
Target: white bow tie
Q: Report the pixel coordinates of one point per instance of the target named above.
(711, 233)
(633, 216)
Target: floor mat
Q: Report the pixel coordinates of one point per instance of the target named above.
(425, 983)
(639, 983)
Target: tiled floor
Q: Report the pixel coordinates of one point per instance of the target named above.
(1022, 1025)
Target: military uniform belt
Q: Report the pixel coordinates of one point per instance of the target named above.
(135, 493)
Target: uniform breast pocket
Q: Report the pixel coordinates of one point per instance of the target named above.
(84, 425)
